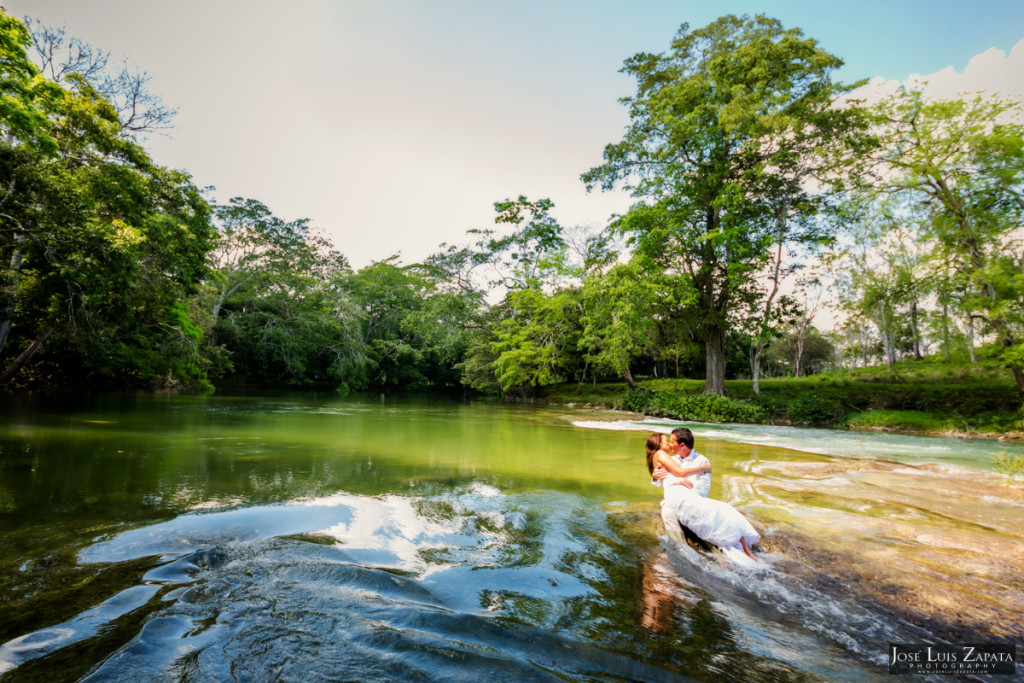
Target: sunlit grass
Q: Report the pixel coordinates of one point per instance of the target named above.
(903, 420)
(932, 397)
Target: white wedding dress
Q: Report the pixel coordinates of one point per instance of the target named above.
(714, 521)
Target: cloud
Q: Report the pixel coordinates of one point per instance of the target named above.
(992, 72)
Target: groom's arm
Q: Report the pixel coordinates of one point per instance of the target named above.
(703, 482)
(660, 472)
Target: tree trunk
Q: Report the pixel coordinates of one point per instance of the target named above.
(13, 277)
(714, 377)
(886, 351)
(628, 376)
(1007, 341)
(884, 325)
(1018, 374)
(25, 356)
(913, 330)
(799, 352)
(583, 376)
(755, 367)
(945, 328)
(890, 339)
(970, 338)
(755, 362)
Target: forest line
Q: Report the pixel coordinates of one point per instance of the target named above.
(758, 183)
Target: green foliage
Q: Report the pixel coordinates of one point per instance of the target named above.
(306, 336)
(1010, 465)
(723, 132)
(115, 264)
(815, 409)
(987, 367)
(96, 241)
(941, 406)
(695, 407)
(416, 329)
(953, 170)
(532, 336)
(620, 314)
(815, 349)
(27, 99)
(280, 302)
(478, 366)
(531, 254)
(902, 420)
(537, 339)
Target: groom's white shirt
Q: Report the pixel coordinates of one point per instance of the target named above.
(701, 482)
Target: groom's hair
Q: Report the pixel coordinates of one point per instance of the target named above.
(683, 436)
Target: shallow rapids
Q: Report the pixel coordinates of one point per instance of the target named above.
(320, 538)
(469, 585)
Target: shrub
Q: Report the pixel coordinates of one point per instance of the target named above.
(638, 400)
(1010, 465)
(813, 409)
(696, 407)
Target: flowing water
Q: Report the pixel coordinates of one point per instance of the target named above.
(312, 537)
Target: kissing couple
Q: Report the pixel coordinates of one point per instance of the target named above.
(685, 476)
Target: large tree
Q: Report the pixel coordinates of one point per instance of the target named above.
(961, 163)
(99, 245)
(720, 148)
(279, 302)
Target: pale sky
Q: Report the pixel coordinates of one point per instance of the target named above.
(394, 125)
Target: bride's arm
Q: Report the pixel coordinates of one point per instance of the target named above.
(662, 458)
(665, 461)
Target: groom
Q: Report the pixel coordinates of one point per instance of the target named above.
(681, 444)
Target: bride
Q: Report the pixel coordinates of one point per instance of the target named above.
(714, 521)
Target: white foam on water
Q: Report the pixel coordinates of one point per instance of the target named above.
(952, 452)
(615, 426)
(759, 585)
(44, 640)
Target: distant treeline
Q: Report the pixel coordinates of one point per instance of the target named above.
(760, 188)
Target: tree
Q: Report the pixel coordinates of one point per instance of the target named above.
(720, 146)
(388, 294)
(537, 339)
(621, 316)
(767, 313)
(28, 98)
(533, 254)
(100, 245)
(531, 337)
(963, 161)
(802, 351)
(280, 302)
(254, 250)
(64, 59)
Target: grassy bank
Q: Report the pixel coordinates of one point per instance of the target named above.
(968, 406)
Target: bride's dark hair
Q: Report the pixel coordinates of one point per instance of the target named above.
(653, 446)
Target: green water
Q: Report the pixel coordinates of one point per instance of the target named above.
(266, 532)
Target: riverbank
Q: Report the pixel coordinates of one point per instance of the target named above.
(968, 408)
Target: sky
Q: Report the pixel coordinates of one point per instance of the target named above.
(394, 125)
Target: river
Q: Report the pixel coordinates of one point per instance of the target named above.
(317, 537)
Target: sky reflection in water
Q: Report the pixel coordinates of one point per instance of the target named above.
(316, 536)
